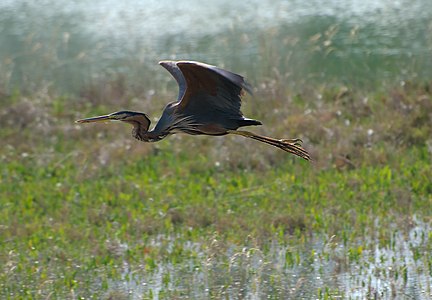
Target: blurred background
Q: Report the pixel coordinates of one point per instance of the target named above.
(70, 44)
(88, 212)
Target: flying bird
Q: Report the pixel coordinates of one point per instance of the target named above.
(208, 103)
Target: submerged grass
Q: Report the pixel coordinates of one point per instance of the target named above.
(87, 212)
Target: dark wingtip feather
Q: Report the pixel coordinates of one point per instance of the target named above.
(171, 66)
(247, 87)
(233, 77)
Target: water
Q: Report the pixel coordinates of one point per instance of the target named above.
(68, 44)
(321, 266)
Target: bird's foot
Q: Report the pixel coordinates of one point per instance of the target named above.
(296, 142)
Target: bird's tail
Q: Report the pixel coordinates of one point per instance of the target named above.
(292, 146)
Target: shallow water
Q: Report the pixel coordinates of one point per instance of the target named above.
(312, 270)
(71, 43)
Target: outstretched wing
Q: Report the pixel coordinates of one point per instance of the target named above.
(210, 87)
(207, 95)
(206, 86)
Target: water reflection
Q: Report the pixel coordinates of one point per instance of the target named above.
(320, 268)
(69, 43)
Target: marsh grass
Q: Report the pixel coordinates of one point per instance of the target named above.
(87, 212)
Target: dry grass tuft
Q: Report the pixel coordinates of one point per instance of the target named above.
(340, 127)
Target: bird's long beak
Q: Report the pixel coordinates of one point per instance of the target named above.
(96, 119)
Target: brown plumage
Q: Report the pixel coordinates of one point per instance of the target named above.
(208, 103)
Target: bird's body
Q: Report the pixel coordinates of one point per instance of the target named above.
(208, 103)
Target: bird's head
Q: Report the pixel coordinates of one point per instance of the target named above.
(138, 120)
(124, 116)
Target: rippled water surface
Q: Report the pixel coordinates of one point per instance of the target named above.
(72, 42)
(293, 272)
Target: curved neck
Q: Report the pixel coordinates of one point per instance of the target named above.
(142, 133)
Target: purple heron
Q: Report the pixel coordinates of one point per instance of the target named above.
(208, 103)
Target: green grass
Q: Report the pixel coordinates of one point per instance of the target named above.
(66, 231)
(87, 212)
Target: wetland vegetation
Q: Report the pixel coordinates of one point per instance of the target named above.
(90, 213)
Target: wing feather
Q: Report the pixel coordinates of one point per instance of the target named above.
(171, 67)
(207, 95)
(211, 88)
